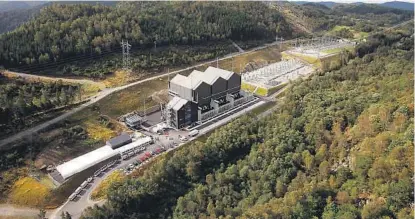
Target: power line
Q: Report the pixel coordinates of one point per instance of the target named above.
(125, 55)
(62, 61)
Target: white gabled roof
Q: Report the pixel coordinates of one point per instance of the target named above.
(219, 72)
(202, 76)
(195, 78)
(134, 144)
(85, 161)
(182, 81)
(180, 104)
(196, 74)
(176, 103)
(173, 102)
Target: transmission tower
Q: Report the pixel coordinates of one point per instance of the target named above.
(125, 55)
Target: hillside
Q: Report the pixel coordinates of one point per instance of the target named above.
(18, 5)
(368, 8)
(61, 32)
(340, 146)
(399, 5)
(9, 20)
(308, 17)
(317, 18)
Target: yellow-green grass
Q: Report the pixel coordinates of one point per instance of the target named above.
(16, 217)
(29, 192)
(236, 64)
(337, 50)
(249, 87)
(275, 89)
(118, 78)
(309, 59)
(101, 190)
(356, 34)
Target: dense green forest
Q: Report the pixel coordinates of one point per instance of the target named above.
(63, 31)
(9, 20)
(20, 98)
(317, 18)
(340, 146)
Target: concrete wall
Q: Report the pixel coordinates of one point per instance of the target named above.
(219, 88)
(203, 93)
(234, 83)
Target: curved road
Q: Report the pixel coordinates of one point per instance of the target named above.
(104, 93)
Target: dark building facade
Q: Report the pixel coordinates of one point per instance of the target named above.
(199, 93)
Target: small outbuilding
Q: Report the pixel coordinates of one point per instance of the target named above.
(119, 141)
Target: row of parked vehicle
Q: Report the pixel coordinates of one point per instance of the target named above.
(106, 167)
(80, 188)
(142, 159)
(128, 155)
(90, 179)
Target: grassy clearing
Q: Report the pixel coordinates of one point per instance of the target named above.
(16, 217)
(337, 50)
(29, 192)
(270, 55)
(98, 132)
(101, 190)
(260, 91)
(118, 78)
(310, 59)
(356, 34)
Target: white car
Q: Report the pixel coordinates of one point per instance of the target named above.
(183, 138)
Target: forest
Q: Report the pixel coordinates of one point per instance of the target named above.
(20, 99)
(317, 18)
(340, 146)
(63, 31)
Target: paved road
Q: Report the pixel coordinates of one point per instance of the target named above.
(76, 208)
(103, 94)
(47, 78)
(237, 47)
(8, 210)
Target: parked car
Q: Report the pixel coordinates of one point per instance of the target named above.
(193, 133)
(72, 197)
(90, 179)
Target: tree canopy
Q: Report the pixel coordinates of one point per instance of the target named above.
(340, 146)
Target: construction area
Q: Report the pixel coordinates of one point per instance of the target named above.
(277, 73)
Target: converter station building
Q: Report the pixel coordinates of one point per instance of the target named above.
(202, 95)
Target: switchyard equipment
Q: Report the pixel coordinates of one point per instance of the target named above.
(315, 46)
(202, 95)
(276, 73)
(134, 120)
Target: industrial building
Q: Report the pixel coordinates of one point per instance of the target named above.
(134, 120)
(202, 95)
(116, 147)
(119, 141)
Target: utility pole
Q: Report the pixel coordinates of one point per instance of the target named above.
(217, 62)
(232, 64)
(168, 78)
(125, 55)
(144, 112)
